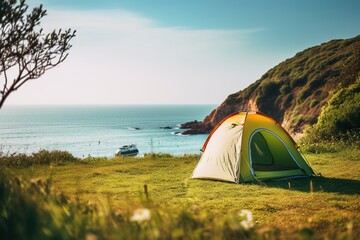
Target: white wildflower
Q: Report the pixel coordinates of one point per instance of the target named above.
(91, 236)
(141, 215)
(247, 219)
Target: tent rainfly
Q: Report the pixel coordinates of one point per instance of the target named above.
(248, 146)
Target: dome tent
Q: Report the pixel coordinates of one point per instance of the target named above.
(248, 146)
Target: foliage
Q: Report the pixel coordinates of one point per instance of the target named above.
(308, 145)
(299, 85)
(268, 90)
(26, 52)
(339, 120)
(43, 157)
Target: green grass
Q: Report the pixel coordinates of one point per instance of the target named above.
(326, 206)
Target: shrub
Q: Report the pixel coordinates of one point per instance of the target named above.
(43, 157)
(298, 82)
(339, 120)
(54, 157)
(285, 88)
(269, 88)
(15, 160)
(268, 92)
(317, 83)
(304, 94)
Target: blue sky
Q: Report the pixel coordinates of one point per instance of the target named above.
(179, 52)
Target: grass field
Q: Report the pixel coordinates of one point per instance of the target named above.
(322, 207)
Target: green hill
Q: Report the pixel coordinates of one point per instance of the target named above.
(295, 91)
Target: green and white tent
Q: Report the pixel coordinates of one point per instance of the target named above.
(248, 146)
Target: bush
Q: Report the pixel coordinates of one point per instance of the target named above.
(298, 82)
(317, 83)
(285, 88)
(341, 117)
(304, 94)
(54, 157)
(339, 120)
(15, 160)
(269, 91)
(269, 88)
(43, 157)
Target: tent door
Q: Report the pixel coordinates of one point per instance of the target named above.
(268, 153)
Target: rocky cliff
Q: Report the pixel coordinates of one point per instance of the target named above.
(294, 91)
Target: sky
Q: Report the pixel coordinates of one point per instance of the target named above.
(178, 51)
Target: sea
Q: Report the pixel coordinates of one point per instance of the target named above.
(98, 131)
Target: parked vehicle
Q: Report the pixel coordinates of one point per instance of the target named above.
(127, 150)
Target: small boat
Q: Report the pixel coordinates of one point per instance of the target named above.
(127, 150)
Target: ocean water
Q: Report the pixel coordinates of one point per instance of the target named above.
(100, 130)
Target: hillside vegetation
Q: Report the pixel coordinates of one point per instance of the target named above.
(295, 91)
(338, 122)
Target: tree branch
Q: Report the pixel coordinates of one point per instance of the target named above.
(25, 50)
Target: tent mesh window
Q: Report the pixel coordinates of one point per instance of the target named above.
(268, 153)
